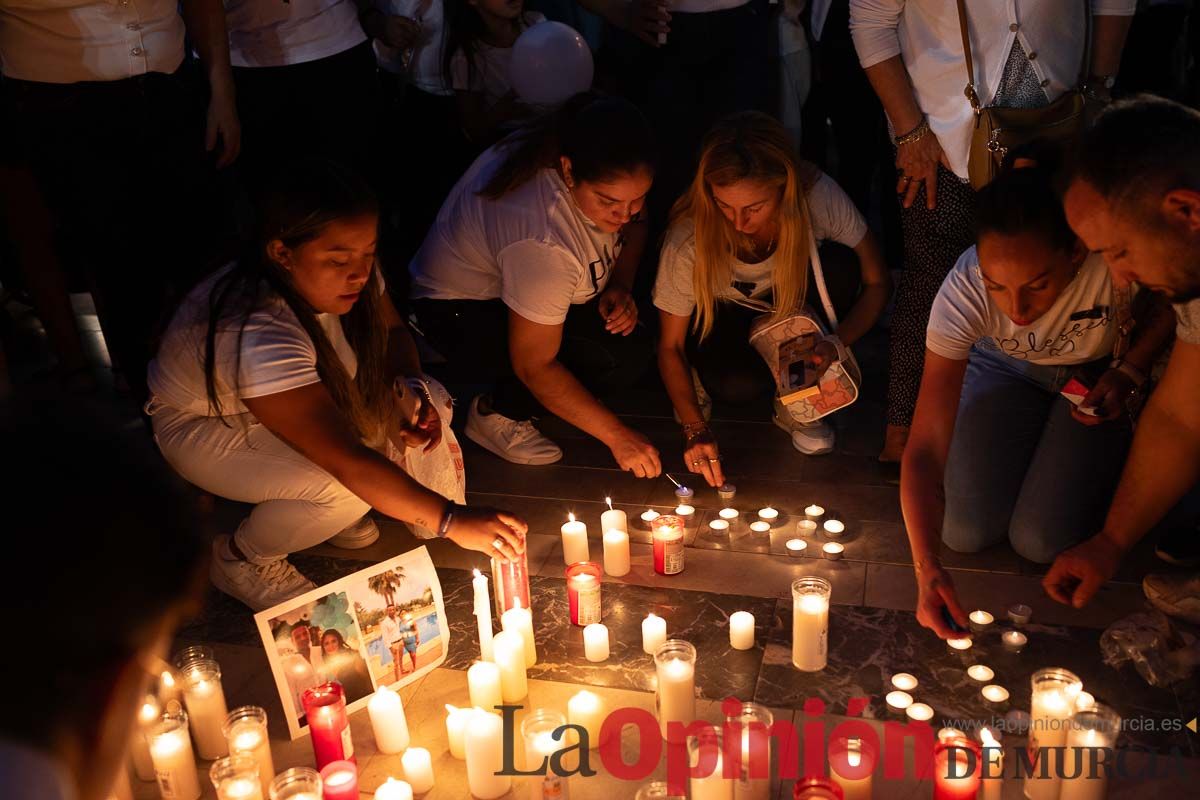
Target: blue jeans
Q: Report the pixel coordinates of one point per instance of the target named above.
(1020, 467)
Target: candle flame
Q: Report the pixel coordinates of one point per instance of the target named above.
(517, 603)
(988, 738)
(853, 758)
(478, 574)
(168, 680)
(609, 501)
(451, 709)
(571, 516)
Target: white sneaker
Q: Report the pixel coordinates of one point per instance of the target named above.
(259, 586)
(357, 535)
(513, 440)
(811, 438)
(702, 397)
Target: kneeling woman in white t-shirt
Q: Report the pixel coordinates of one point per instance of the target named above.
(996, 453)
(524, 280)
(274, 385)
(739, 245)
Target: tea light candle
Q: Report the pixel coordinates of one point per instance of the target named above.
(574, 541)
(339, 781)
(805, 527)
(654, 633)
(814, 513)
(616, 552)
(960, 645)
(741, 630)
(833, 551)
(520, 620)
(483, 684)
(946, 734)
(393, 789)
(834, 528)
(456, 727)
(684, 510)
(614, 518)
(727, 492)
(768, 514)
(587, 710)
(1020, 614)
(719, 525)
(205, 701)
(174, 761)
(919, 712)
(388, 721)
(683, 493)
(483, 614)
(796, 547)
(729, 514)
(981, 620)
(904, 681)
(980, 674)
(1014, 641)
(510, 657)
(595, 642)
(485, 754)
(246, 732)
(648, 516)
(994, 694)
(898, 701)
(418, 769)
(760, 526)
(139, 747)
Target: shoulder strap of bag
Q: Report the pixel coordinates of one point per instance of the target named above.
(819, 276)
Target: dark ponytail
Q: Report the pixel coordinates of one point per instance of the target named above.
(603, 136)
(295, 208)
(1025, 200)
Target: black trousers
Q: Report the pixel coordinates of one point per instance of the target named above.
(473, 336)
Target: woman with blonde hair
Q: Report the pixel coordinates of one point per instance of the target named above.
(738, 246)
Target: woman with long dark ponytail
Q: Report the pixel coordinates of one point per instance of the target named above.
(288, 380)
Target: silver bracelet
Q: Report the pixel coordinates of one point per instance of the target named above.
(447, 519)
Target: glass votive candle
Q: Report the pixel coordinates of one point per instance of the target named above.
(898, 702)
(805, 527)
(1014, 641)
(537, 731)
(187, 655)
(1084, 701)
(814, 513)
(205, 700)
(980, 620)
(656, 790)
(727, 492)
(996, 696)
(728, 514)
(979, 673)
(668, 544)
(904, 681)
(795, 547)
(719, 525)
(956, 763)
(328, 725)
(768, 514)
(750, 726)
(236, 778)
(919, 712)
(297, 783)
(834, 528)
(760, 526)
(675, 667)
(833, 551)
(1095, 727)
(817, 789)
(339, 781)
(583, 592)
(245, 730)
(1020, 614)
(173, 757)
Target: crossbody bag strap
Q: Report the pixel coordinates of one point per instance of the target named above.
(972, 95)
(819, 276)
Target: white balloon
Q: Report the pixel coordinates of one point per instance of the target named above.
(550, 63)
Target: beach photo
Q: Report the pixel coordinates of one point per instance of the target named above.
(398, 614)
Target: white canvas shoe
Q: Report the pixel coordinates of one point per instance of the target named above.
(513, 440)
(811, 438)
(357, 535)
(259, 586)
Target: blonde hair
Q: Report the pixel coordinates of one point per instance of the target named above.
(747, 146)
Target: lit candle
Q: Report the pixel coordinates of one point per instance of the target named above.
(833, 550)
(520, 620)
(510, 657)
(713, 785)
(805, 527)
(538, 731)
(1014, 641)
(510, 579)
(574, 541)
(741, 630)
(1052, 702)
(980, 673)
(297, 783)
(796, 547)
(754, 768)
(814, 512)
(339, 781)
(595, 642)
(675, 665)
(898, 702)
(956, 770)
(236, 778)
(959, 645)
(168, 689)
(816, 789)
(1095, 727)
(981, 620)
(810, 623)
(388, 721)
(1084, 701)
(668, 545)
(768, 514)
(616, 552)
(760, 526)
(994, 694)
(654, 633)
(392, 789)
(728, 514)
(583, 593)
(851, 766)
(456, 728)
(483, 614)
(904, 681)
(246, 732)
(174, 762)
(993, 760)
(919, 712)
(485, 752)
(726, 492)
(682, 493)
(614, 518)
(1020, 614)
(586, 709)
(139, 747)
(685, 511)
(418, 769)
(648, 516)
(834, 528)
(719, 525)
(946, 734)
(483, 683)
(328, 726)
(205, 701)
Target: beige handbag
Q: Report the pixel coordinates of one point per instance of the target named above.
(998, 130)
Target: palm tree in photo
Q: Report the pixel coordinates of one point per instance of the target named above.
(385, 584)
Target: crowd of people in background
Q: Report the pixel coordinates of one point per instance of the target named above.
(286, 210)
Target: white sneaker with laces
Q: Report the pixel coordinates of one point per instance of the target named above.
(811, 438)
(259, 586)
(513, 440)
(356, 535)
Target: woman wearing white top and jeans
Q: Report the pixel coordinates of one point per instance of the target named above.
(996, 453)
(1026, 54)
(284, 379)
(525, 279)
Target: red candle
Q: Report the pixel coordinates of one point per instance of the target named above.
(668, 544)
(583, 592)
(817, 789)
(339, 781)
(511, 581)
(956, 769)
(325, 710)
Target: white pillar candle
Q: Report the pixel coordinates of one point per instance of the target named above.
(205, 701)
(741, 630)
(1052, 702)
(174, 762)
(483, 614)
(768, 514)
(675, 663)
(898, 702)
(760, 526)
(485, 752)
(392, 789)
(992, 788)
(814, 513)
(574, 541)
(595, 642)
(520, 620)
(719, 525)
(728, 514)
(246, 732)
(980, 673)
(616, 552)
(810, 623)
(456, 729)
(654, 633)
(613, 518)
(483, 683)
(1095, 727)
(919, 712)
(139, 747)
(904, 681)
(388, 721)
(418, 769)
(587, 710)
(510, 657)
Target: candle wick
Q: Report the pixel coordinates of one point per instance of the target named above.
(609, 501)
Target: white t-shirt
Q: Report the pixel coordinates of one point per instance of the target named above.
(1187, 319)
(532, 248)
(834, 218)
(490, 75)
(276, 33)
(276, 355)
(389, 630)
(1079, 327)
(425, 69)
